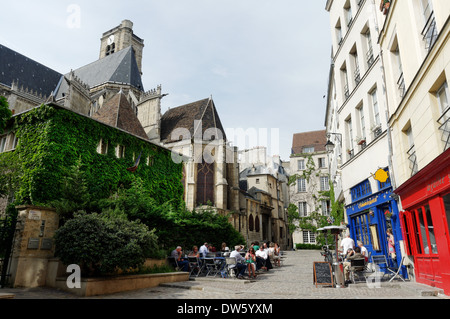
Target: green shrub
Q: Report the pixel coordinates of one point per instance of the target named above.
(101, 244)
(308, 247)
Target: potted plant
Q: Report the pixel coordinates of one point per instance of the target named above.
(384, 6)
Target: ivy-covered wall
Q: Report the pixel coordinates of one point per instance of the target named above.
(53, 139)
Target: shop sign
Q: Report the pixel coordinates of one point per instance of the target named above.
(438, 184)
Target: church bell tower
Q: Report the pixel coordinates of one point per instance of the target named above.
(119, 38)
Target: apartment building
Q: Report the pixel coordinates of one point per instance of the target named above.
(359, 141)
(309, 165)
(414, 40)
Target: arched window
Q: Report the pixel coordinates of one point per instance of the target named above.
(250, 223)
(205, 184)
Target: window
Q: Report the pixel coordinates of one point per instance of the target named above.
(355, 65)
(257, 181)
(363, 125)
(102, 147)
(309, 237)
(397, 63)
(301, 185)
(322, 162)
(324, 184)
(326, 208)
(2, 143)
(349, 127)
(348, 14)
(429, 32)
(344, 77)
(385, 184)
(303, 209)
(442, 95)
(413, 165)
(205, 183)
(120, 151)
(446, 200)
(361, 190)
(251, 225)
(338, 28)
(308, 149)
(301, 165)
(369, 55)
(376, 110)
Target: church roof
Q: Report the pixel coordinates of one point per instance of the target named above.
(120, 67)
(185, 117)
(117, 112)
(15, 67)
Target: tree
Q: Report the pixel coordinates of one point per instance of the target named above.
(103, 243)
(5, 113)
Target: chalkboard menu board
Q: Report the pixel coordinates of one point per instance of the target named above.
(323, 274)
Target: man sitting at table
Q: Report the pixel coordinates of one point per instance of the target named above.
(204, 251)
(261, 257)
(183, 264)
(239, 262)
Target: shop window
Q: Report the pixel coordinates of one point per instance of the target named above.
(406, 234)
(423, 232)
(430, 228)
(446, 200)
(361, 190)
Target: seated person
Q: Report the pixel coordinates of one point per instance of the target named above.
(183, 264)
(351, 255)
(261, 258)
(194, 252)
(239, 262)
(204, 251)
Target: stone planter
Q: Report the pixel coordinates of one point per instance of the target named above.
(111, 285)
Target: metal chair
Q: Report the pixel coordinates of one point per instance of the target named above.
(173, 262)
(230, 264)
(381, 263)
(357, 267)
(211, 266)
(195, 266)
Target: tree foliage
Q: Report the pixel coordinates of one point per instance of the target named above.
(5, 113)
(103, 243)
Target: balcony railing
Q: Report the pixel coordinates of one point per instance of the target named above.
(357, 75)
(430, 32)
(444, 120)
(370, 58)
(401, 85)
(413, 166)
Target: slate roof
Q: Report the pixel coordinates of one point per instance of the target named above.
(185, 116)
(27, 72)
(316, 139)
(120, 67)
(117, 112)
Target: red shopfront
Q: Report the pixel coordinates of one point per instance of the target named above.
(425, 222)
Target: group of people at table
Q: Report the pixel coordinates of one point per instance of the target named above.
(259, 257)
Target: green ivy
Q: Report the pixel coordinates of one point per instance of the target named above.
(52, 140)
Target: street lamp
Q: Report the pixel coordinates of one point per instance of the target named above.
(330, 145)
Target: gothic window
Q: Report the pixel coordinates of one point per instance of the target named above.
(251, 225)
(205, 183)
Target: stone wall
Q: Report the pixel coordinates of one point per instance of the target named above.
(33, 246)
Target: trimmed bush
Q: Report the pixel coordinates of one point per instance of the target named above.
(101, 244)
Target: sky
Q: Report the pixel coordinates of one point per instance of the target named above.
(265, 63)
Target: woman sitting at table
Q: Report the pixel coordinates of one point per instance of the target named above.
(250, 260)
(194, 252)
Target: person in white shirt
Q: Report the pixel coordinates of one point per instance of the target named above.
(364, 251)
(261, 257)
(347, 243)
(204, 250)
(241, 267)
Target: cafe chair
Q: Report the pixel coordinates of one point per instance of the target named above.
(230, 264)
(173, 262)
(211, 266)
(357, 268)
(195, 266)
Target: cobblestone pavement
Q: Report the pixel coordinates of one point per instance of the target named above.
(294, 280)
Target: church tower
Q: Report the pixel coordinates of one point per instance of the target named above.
(119, 38)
